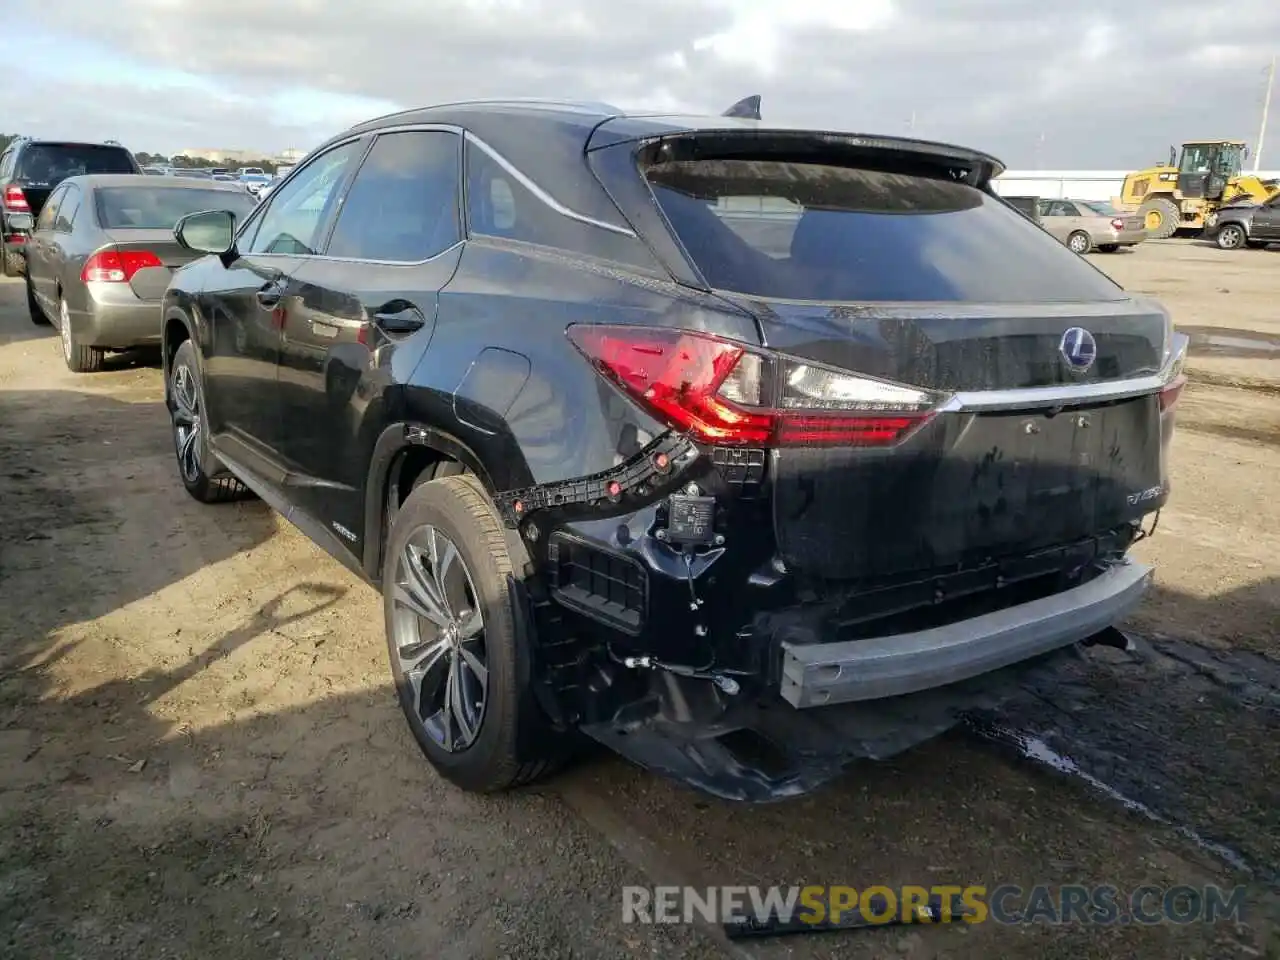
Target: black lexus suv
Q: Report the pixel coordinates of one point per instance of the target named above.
(744, 451)
(29, 171)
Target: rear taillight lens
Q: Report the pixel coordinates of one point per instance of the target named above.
(111, 266)
(723, 393)
(16, 200)
(1117, 224)
(1171, 392)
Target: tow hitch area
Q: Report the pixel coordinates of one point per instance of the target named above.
(882, 913)
(697, 727)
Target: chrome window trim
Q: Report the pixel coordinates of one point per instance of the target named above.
(541, 194)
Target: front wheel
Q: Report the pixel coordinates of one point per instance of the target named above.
(1231, 236)
(460, 672)
(191, 432)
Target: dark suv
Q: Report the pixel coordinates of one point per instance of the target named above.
(744, 451)
(29, 171)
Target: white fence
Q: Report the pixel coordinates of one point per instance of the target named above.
(1075, 184)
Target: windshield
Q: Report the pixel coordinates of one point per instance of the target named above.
(805, 231)
(50, 163)
(159, 208)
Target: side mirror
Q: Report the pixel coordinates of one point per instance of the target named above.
(211, 231)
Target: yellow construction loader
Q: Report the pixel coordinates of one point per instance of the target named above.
(1179, 195)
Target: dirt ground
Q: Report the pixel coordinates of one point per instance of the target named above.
(201, 755)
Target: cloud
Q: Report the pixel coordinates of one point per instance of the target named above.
(1084, 84)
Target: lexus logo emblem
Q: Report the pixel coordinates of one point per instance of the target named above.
(1078, 348)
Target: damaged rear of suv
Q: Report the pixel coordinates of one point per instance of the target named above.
(758, 450)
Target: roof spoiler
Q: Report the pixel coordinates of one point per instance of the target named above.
(748, 107)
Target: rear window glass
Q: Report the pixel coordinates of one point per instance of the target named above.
(1102, 207)
(804, 231)
(159, 208)
(53, 162)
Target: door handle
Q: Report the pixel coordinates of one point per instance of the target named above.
(270, 294)
(399, 318)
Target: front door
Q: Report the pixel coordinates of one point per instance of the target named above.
(362, 317)
(247, 304)
(1266, 221)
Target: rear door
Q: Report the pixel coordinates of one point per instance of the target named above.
(956, 316)
(1059, 217)
(369, 302)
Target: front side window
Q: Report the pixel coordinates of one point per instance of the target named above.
(403, 204)
(49, 211)
(292, 220)
(67, 210)
(813, 231)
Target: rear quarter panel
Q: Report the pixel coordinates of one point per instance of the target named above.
(565, 421)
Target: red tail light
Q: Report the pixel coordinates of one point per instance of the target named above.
(723, 393)
(16, 200)
(1171, 392)
(1117, 224)
(111, 266)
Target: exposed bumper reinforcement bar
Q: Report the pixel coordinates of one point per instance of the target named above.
(815, 675)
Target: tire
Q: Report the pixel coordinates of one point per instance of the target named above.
(34, 309)
(1079, 243)
(1166, 214)
(14, 264)
(498, 738)
(1109, 247)
(191, 432)
(1231, 236)
(80, 359)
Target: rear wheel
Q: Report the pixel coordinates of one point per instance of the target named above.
(1079, 242)
(80, 359)
(14, 263)
(1160, 217)
(1109, 247)
(461, 675)
(1255, 244)
(1231, 236)
(34, 308)
(191, 432)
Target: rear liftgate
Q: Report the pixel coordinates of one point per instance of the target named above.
(718, 723)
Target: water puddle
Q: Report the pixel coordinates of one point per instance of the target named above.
(1225, 342)
(1035, 748)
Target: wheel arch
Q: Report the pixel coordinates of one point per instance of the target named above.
(401, 453)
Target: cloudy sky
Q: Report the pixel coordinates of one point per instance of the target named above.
(1040, 83)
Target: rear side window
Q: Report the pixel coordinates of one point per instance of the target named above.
(160, 207)
(53, 162)
(403, 204)
(804, 231)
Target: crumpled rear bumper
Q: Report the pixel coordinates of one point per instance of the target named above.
(822, 674)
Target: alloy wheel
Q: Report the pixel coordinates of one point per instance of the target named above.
(186, 422)
(1079, 243)
(439, 639)
(1231, 237)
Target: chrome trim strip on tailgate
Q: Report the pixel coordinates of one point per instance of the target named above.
(821, 674)
(1073, 394)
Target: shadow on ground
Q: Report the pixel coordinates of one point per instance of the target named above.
(69, 550)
